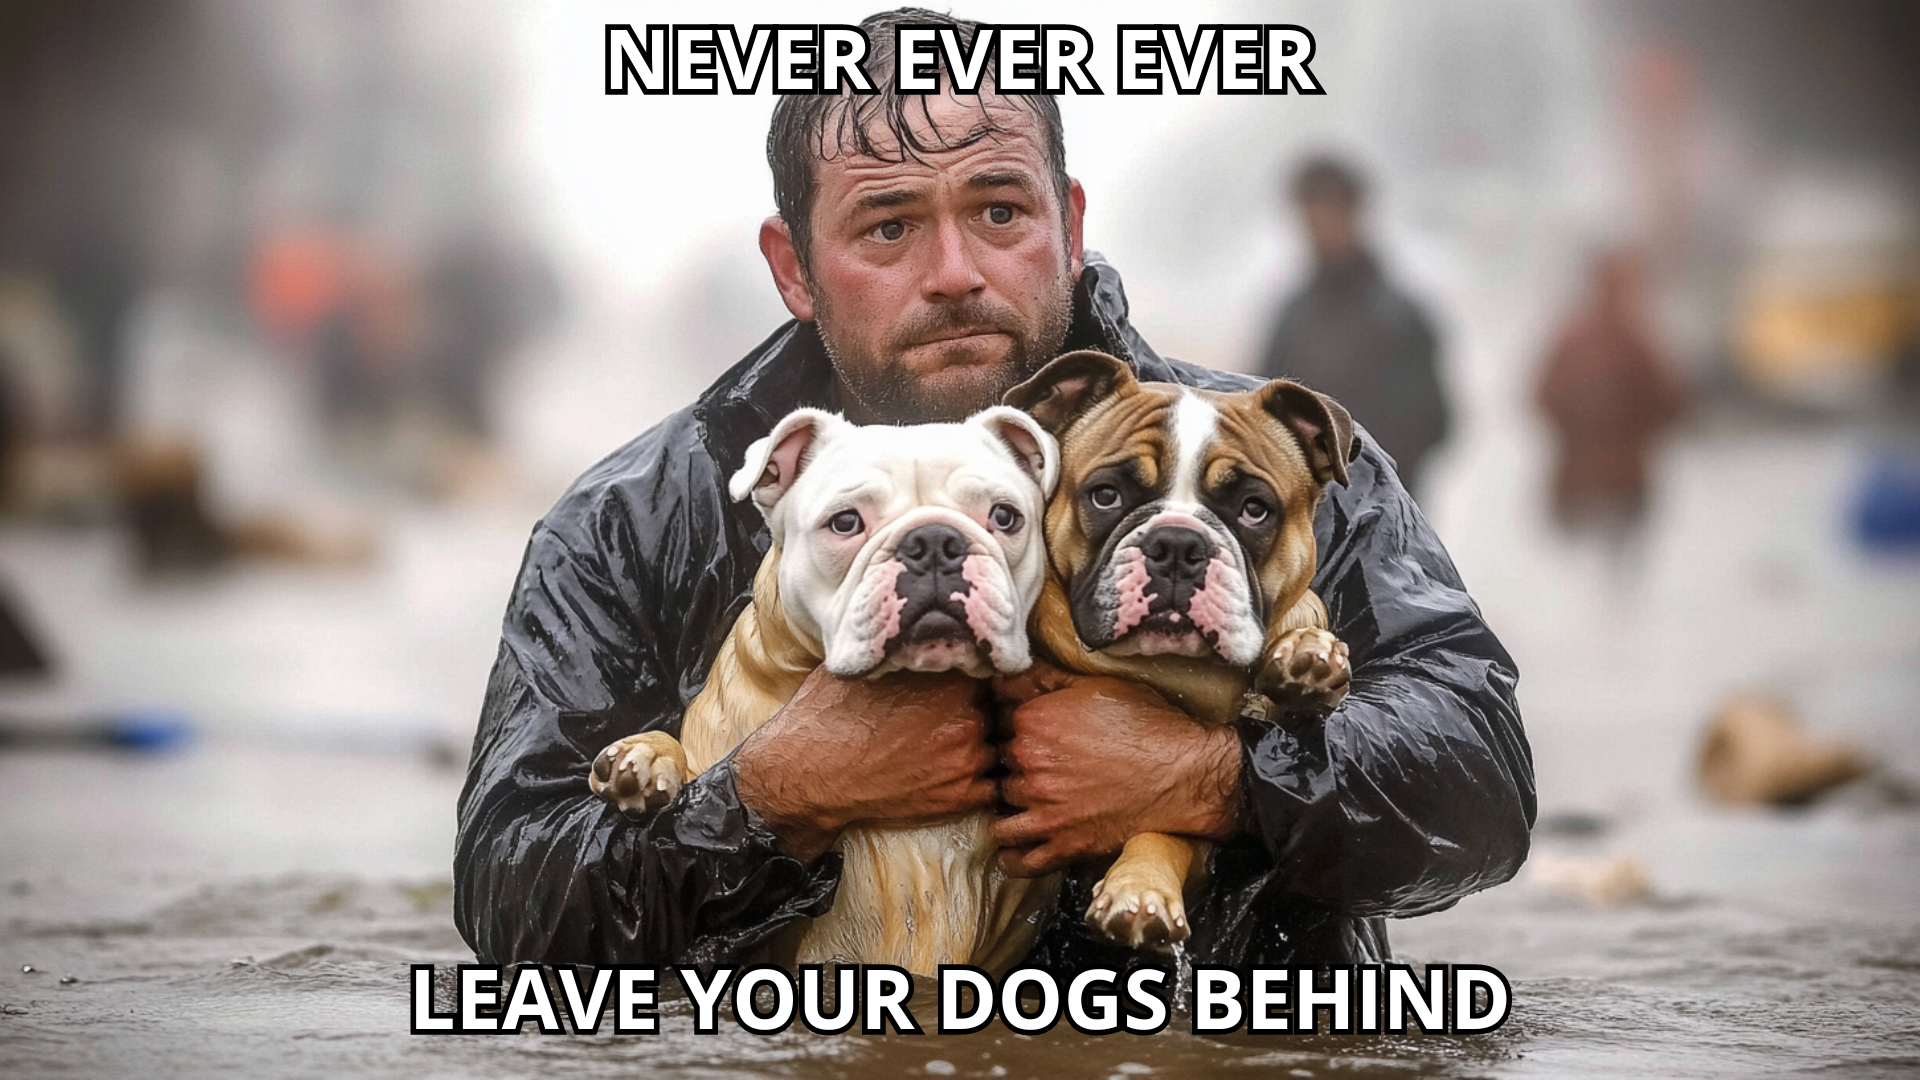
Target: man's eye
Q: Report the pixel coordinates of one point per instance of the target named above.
(1254, 512)
(1004, 517)
(1104, 497)
(1000, 215)
(890, 230)
(845, 523)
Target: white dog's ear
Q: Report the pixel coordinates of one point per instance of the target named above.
(774, 462)
(1031, 446)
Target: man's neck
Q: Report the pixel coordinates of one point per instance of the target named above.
(1352, 264)
(849, 405)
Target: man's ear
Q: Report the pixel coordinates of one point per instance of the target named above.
(1032, 447)
(1320, 423)
(776, 245)
(1076, 227)
(776, 461)
(1070, 385)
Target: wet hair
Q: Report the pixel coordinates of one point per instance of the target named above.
(811, 128)
(1326, 178)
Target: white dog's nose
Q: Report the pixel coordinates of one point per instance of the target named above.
(933, 549)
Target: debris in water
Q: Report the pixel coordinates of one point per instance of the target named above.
(1756, 755)
(28, 969)
(936, 1067)
(69, 980)
(1572, 823)
(1604, 879)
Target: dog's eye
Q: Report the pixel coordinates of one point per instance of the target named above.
(1104, 497)
(845, 523)
(1254, 512)
(1004, 517)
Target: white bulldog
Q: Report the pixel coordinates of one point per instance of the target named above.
(915, 548)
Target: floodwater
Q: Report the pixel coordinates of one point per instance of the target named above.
(216, 914)
(251, 905)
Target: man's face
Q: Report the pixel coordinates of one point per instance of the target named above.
(1333, 228)
(939, 284)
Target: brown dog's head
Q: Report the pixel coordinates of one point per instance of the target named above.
(1183, 522)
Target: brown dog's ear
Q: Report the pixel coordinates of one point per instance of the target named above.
(1068, 386)
(1320, 423)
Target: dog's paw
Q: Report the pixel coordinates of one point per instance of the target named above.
(1138, 909)
(1306, 669)
(640, 772)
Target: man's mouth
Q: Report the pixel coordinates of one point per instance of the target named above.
(944, 337)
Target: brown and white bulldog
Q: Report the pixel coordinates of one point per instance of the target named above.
(894, 548)
(1180, 549)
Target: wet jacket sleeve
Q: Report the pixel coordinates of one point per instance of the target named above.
(1418, 789)
(623, 592)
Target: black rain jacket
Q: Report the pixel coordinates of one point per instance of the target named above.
(1415, 792)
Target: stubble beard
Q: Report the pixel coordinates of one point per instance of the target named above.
(892, 396)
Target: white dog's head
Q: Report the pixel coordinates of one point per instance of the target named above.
(916, 548)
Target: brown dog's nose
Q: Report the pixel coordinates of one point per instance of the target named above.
(1176, 553)
(933, 549)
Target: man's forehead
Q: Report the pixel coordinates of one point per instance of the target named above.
(942, 127)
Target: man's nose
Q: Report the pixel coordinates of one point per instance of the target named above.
(954, 274)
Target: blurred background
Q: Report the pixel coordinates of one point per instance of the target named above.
(308, 311)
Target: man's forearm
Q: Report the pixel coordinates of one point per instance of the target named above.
(800, 829)
(544, 871)
(1407, 798)
(574, 882)
(1212, 763)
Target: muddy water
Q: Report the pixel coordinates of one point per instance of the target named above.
(181, 926)
(306, 975)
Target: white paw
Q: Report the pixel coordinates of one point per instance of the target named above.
(1137, 912)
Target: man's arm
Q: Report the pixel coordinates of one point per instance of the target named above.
(1418, 789)
(1415, 792)
(608, 634)
(545, 871)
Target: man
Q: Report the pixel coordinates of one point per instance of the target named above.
(930, 252)
(1351, 334)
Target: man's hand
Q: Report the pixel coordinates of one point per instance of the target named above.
(904, 748)
(1093, 761)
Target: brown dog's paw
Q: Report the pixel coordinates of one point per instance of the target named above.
(1306, 669)
(640, 772)
(1137, 912)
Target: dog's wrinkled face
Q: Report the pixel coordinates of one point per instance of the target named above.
(916, 548)
(1183, 521)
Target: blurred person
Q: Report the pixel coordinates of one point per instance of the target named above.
(399, 351)
(1351, 333)
(930, 251)
(484, 296)
(1607, 391)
